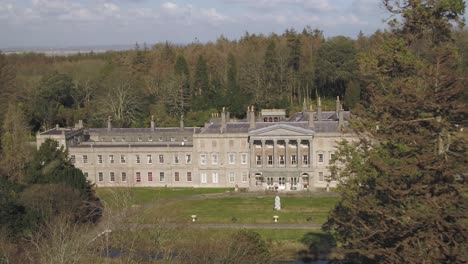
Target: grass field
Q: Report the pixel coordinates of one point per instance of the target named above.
(247, 210)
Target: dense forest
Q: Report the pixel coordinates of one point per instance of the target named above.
(167, 80)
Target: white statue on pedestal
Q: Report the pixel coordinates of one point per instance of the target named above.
(277, 203)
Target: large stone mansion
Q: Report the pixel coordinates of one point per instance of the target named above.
(267, 150)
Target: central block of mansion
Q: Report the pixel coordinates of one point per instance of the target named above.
(266, 150)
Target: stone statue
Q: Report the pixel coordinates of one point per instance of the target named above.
(277, 203)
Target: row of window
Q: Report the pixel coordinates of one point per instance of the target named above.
(177, 177)
(140, 139)
(149, 159)
(231, 158)
(282, 160)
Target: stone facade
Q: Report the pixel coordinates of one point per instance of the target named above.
(255, 153)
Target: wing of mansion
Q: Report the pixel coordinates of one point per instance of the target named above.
(267, 150)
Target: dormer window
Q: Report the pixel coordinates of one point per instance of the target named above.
(140, 139)
(160, 138)
(150, 139)
(185, 139)
(172, 139)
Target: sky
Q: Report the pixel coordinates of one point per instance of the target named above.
(65, 23)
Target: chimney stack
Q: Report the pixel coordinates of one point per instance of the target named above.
(109, 124)
(223, 120)
(319, 110)
(311, 118)
(182, 122)
(152, 123)
(252, 118)
(341, 118)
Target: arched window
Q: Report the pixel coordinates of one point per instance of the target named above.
(270, 119)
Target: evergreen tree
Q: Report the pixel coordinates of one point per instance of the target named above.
(402, 185)
(181, 70)
(237, 99)
(201, 84)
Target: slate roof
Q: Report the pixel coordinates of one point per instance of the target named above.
(142, 130)
(55, 131)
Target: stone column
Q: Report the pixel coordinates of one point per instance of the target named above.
(286, 158)
(275, 153)
(263, 152)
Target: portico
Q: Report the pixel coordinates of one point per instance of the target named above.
(280, 156)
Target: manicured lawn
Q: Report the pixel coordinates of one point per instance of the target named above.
(247, 210)
(140, 196)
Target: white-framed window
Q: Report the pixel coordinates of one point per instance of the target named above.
(185, 139)
(244, 176)
(214, 177)
(111, 176)
(176, 159)
(203, 159)
(305, 159)
(281, 159)
(72, 159)
(172, 139)
(162, 178)
(99, 159)
(214, 157)
(320, 157)
(137, 159)
(320, 176)
(149, 159)
(258, 159)
(203, 177)
(160, 139)
(161, 159)
(232, 176)
(111, 158)
(138, 176)
(85, 158)
(270, 160)
(232, 158)
(176, 176)
(189, 176)
(140, 139)
(150, 176)
(123, 159)
(100, 176)
(150, 139)
(293, 160)
(188, 159)
(123, 176)
(244, 158)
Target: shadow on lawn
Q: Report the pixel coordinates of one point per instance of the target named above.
(320, 246)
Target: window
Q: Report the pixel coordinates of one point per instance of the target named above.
(123, 176)
(189, 176)
(232, 158)
(203, 159)
(161, 159)
(258, 160)
(100, 176)
(214, 158)
(138, 177)
(232, 176)
(150, 176)
(282, 180)
(85, 158)
(160, 139)
(305, 160)
(176, 176)
(150, 159)
(203, 177)
(214, 177)
(150, 139)
(176, 159)
(123, 160)
(244, 158)
(111, 158)
(138, 161)
(85, 174)
(320, 177)
(270, 160)
(140, 139)
(161, 177)
(185, 139)
(111, 176)
(99, 158)
(293, 160)
(281, 159)
(320, 157)
(332, 155)
(72, 159)
(188, 159)
(244, 176)
(172, 139)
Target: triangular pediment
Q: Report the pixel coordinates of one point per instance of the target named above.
(281, 130)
